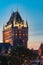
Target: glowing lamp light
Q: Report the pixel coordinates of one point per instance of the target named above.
(9, 26)
(7, 41)
(6, 27)
(19, 25)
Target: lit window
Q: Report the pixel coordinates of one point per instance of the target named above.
(23, 34)
(20, 34)
(19, 31)
(16, 34)
(23, 40)
(19, 37)
(9, 50)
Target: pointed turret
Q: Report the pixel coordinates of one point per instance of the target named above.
(27, 23)
(15, 16)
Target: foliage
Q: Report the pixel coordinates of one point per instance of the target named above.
(19, 55)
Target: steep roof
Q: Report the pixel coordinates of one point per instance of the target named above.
(15, 16)
(41, 46)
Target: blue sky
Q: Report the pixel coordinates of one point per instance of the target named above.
(32, 10)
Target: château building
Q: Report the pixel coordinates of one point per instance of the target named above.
(15, 31)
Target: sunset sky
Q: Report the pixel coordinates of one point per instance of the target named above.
(30, 10)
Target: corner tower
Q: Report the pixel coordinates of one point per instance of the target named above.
(15, 31)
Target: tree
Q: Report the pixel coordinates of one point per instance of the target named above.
(20, 55)
(4, 60)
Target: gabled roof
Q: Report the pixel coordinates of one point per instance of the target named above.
(15, 16)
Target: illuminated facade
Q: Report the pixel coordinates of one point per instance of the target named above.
(15, 31)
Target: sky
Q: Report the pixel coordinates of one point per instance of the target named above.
(30, 10)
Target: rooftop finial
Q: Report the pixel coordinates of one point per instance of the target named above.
(26, 22)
